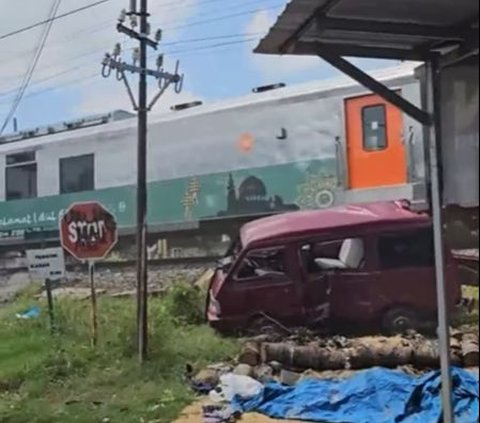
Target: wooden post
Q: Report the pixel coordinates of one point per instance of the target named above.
(48, 287)
(93, 296)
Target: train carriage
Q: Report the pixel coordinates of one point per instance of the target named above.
(314, 145)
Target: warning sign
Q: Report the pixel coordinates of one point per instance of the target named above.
(48, 263)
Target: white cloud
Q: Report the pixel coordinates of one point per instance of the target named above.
(271, 65)
(75, 47)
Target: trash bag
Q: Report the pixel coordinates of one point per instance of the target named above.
(30, 313)
(234, 386)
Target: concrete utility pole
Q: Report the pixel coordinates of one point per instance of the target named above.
(114, 62)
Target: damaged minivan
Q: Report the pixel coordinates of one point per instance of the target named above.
(359, 265)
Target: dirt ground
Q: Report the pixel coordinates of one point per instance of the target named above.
(193, 414)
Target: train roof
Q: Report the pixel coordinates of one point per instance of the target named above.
(396, 74)
(301, 223)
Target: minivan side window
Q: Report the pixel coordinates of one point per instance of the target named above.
(262, 263)
(339, 255)
(412, 249)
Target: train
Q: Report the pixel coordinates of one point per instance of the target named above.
(211, 167)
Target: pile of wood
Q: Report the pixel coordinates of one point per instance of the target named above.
(361, 353)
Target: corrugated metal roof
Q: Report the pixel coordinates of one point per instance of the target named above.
(406, 29)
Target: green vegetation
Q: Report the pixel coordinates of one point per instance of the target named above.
(469, 318)
(60, 378)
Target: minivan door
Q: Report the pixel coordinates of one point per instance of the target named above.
(263, 283)
(350, 295)
(338, 274)
(316, 286)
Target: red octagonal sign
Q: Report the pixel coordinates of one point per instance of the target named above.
(88, 231)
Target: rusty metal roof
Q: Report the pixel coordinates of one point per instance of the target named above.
(388, 29)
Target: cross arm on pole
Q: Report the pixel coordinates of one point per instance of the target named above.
(138, 36)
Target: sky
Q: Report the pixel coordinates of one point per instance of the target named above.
(213, 39)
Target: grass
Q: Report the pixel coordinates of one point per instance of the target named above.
(60, 378)
(471, 318)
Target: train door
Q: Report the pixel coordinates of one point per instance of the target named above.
(376, 153)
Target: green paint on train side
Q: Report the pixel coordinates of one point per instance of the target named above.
(283, 187)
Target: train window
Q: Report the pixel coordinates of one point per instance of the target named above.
(77, 174)
(374, 122)
(21, 176)
(20, 158)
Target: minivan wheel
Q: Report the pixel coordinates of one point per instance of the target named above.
(400, 320)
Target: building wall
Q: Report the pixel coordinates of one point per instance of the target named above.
(459, 135)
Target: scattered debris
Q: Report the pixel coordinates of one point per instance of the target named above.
(30, 313)
(243, 370)
(204, 280)
(234, 386)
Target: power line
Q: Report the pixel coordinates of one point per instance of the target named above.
(49, 20)
(172, 43)
(202, 51)
(182, 51)
(28, 76)
(221, 18)
(212, 46)
(90, 31)
(62, 85)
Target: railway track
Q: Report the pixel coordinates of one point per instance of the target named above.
(118, 265)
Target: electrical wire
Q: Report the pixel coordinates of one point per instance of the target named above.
(211, 46)
(28, 75)
(92, 30)
(49, 20)
(221, 18)
(179, 42)
(205, 50)
(173, 43)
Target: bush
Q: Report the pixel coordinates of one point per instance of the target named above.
(184, 303)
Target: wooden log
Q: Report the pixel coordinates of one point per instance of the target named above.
(381, 351)
(304, 357)
(363, 353)
(470, 350)
(250, 354)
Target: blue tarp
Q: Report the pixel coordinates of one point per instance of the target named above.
(372, 396)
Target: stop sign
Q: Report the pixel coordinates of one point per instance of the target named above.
(88, 231)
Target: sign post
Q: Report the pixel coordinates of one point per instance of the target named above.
(88, 231)
(48, 265)
(93, 296)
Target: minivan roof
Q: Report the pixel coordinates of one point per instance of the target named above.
(303, 222)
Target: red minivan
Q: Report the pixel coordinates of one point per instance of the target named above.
(357, 264)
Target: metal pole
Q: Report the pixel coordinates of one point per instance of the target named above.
(443, 318)
(142, 311)
(48, 287)
(93, 295)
